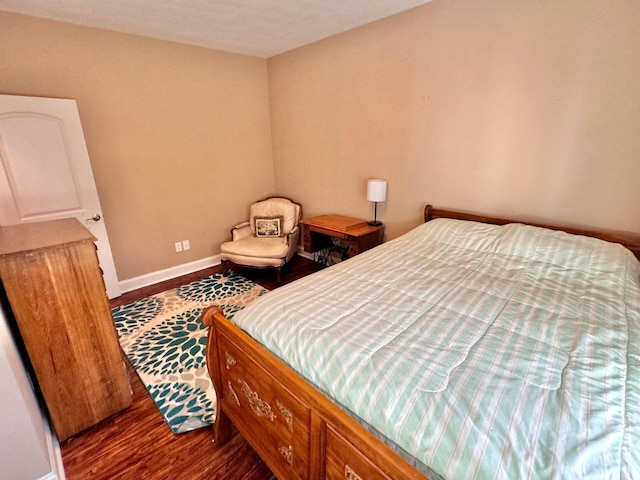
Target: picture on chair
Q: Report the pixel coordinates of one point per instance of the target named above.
(268, 226)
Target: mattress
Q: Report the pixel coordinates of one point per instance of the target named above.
(479, 351)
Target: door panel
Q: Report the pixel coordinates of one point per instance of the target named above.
(41, 185)
(46, 173)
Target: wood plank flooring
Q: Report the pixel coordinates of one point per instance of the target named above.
(137, 444)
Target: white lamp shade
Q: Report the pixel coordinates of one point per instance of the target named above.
(376, 190)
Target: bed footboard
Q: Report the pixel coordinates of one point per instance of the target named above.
(298, 432)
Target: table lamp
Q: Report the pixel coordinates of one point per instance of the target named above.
(376, 192)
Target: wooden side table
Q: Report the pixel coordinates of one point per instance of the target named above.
(319, 232)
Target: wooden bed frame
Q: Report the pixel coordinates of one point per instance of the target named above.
(296, 430)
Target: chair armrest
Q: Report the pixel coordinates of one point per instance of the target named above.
(240, 231)
(241, 225)
(293, 234)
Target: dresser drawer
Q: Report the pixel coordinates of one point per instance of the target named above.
(345, 462)
(251, 397)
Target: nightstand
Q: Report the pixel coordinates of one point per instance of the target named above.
(349, 236)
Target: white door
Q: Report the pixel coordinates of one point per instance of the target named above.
(46, 173)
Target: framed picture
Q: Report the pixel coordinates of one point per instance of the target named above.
(268, 226)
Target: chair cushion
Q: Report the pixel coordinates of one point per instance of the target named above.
(254, 262)
(270, 247)
(275, 207)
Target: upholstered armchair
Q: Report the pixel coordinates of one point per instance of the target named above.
(269, 239)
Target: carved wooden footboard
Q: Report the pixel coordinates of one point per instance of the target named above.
(297, 431)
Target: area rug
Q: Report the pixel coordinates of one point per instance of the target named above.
(165, 341)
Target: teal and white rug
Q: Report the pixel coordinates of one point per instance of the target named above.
(165, 342)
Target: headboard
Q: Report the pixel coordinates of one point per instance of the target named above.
(629, 240)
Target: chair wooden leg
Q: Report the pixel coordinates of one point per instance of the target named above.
(225, 267)
(279, 274)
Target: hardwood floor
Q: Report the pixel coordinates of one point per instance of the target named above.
(137, 444)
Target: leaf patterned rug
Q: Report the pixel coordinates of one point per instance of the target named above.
(165, 341)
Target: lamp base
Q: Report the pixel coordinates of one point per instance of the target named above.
(375, 223)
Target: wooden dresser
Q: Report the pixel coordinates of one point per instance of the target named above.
(52, 279)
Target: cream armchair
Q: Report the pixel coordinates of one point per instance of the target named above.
(268, 240)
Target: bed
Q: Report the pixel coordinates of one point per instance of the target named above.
(470, 347)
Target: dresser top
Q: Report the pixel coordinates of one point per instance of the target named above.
(29, 237)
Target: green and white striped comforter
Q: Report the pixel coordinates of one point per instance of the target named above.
(483, 351)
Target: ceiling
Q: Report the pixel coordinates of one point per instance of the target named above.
(261, 28)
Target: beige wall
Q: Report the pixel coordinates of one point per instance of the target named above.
(178, 136)
(528, 109)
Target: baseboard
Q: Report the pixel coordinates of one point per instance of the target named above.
(168, 273)
(51, 476)
(55, 457)
(173, 272)
(304, 254)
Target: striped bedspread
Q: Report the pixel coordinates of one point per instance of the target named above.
(483, 352)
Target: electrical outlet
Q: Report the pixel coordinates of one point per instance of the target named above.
(186, 245)
(178, 246)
